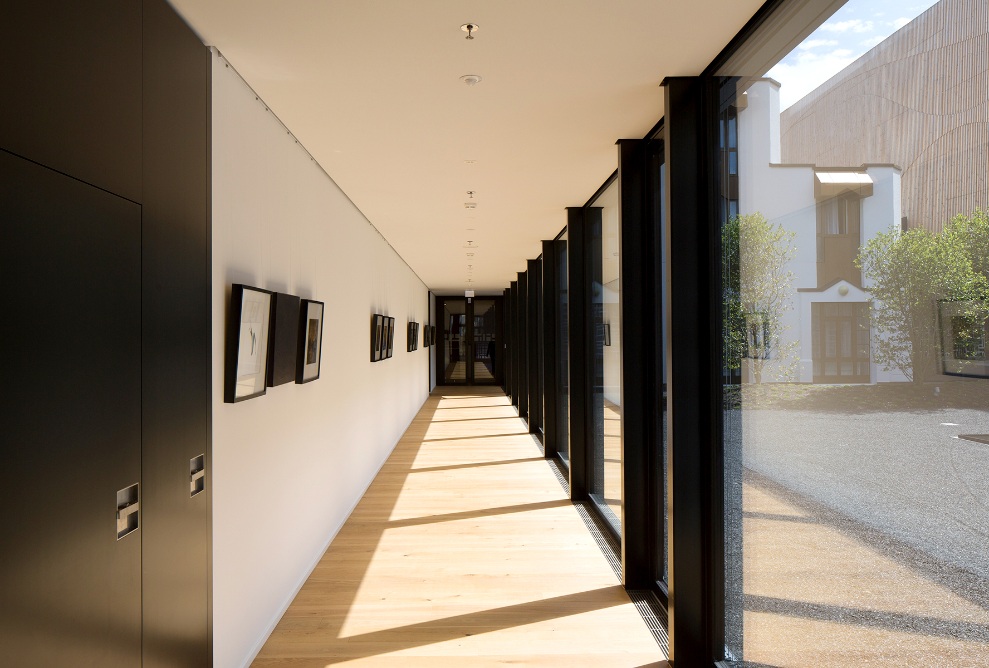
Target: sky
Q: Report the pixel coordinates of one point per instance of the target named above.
(854, 29)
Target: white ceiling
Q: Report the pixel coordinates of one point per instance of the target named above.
(372, 89)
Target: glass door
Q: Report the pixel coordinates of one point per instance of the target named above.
(469, 354)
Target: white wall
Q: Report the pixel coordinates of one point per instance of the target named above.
(289, 467)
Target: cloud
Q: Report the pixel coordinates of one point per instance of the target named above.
(900, 22)
(853, 25)
(808, 72)
(809, 44)
(872, 41)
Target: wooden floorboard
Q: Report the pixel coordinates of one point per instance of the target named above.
(463, 552)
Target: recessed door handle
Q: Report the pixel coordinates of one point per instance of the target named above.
(197, 474)
(128, 510)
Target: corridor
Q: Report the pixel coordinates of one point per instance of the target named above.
(465, 551)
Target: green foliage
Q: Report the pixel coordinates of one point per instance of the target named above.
(908, 273)
(757, 295)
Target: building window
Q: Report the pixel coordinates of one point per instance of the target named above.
(839, 222)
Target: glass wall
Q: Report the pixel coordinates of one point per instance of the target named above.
(855, 303)
(606, 401)
(662, 570)
(484, 346)
(454, 341)
(562, 352)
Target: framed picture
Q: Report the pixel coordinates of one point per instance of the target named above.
(248, 330)
(377, 336)
(310, 340)
(390, 342)
(964, 330)
(283, 339)
(412, 337)
(425, 336)
(607, 333)
(432, 335)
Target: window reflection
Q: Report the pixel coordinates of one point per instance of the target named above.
(562, 351)
(856, 310)
(606, 489)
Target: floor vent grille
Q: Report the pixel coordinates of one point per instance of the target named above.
(653, 614)
(561, 475)
(606, 542)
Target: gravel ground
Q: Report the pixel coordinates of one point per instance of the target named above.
(903, 473)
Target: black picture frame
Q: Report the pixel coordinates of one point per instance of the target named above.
(310, 347)
(964, 334)
(283, 342)
(425, 336)
(607, 333)
(248, 334)
(432, 335)
(412, 337)
(390, 338)
(377, 326)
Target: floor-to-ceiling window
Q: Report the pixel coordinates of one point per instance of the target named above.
(855, 240)
(562, 349)
(606, 377)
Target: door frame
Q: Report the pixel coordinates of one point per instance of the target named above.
(469, 335)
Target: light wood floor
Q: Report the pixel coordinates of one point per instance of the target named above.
(463, 552)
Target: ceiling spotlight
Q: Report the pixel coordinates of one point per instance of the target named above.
(470, 29)
(471, 79)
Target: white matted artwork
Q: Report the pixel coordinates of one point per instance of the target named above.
(247, 343)
(310, 341)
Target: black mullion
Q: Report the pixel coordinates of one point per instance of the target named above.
(695, 485)
(522, 377)
(513, 347)
(578, 297)
(637, 354)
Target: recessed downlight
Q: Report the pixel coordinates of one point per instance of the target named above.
(471, 79)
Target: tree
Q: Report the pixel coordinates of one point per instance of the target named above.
(758, 289)
(907, 274)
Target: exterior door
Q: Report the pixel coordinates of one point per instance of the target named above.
(841, 342)
(469, 342)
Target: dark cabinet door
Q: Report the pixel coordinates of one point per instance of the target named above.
(70, 262)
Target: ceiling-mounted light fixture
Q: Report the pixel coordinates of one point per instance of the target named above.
(470, 29)
(471, 79)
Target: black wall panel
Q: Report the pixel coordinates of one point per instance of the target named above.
(70, 260)
(111, 328)
(176, 353)
(71, 82)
